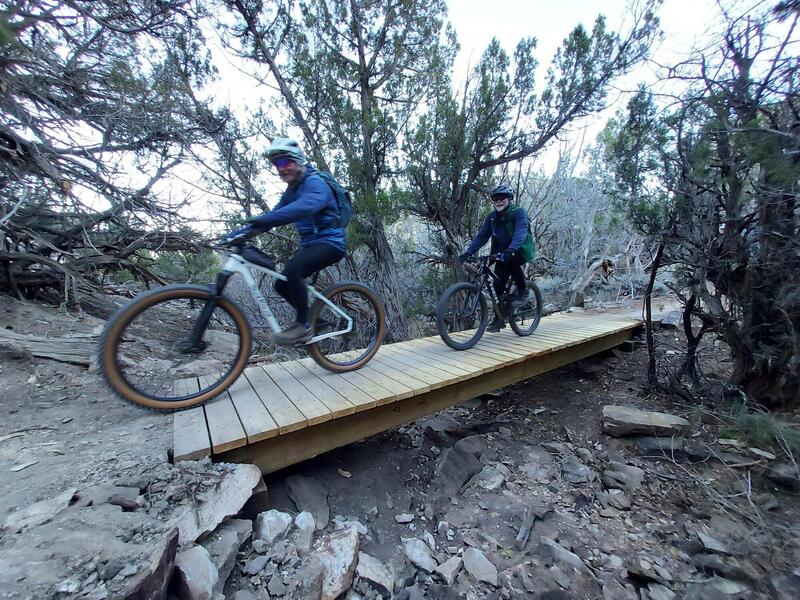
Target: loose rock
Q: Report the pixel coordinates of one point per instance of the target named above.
(420, 554)
(477, 565)
(621, 421)
(311, 496)
(372, 570)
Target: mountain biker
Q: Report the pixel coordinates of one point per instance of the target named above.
(309, 203)
(509, 262)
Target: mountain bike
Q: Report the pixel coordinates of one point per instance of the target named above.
(180, 345)
(463, 311)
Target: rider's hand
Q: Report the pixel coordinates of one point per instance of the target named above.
(505, 255)
(462, 258)
(237, 239)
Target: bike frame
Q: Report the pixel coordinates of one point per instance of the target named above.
(236, 264)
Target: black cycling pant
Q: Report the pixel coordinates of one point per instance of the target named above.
(308, 260)
(511, 268)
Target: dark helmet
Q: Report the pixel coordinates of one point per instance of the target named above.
(502, 191)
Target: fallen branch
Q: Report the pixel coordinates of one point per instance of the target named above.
(77, 349)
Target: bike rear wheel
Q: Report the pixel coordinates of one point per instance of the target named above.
(525, 319)
(352, 350)
(142, 351)
(461, 315)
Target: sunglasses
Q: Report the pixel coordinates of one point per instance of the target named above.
(280, 163)
(497, 199)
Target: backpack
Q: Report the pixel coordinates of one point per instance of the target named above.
(528, 248)
(343, 199)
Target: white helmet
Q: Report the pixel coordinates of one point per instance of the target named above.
(286, 148)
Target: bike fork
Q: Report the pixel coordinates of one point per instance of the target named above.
(195, 344)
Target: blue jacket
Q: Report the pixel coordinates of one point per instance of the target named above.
(495, 226)
(311, 206)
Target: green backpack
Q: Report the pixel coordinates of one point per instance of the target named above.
(528, 248)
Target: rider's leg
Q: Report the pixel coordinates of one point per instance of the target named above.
(515, 269)
(307, 261)
(503, 273)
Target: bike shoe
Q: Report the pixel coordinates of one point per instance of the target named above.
(496, 325)
(296, 334)
(519, 299)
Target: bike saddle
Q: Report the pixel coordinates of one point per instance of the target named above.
(257, 257)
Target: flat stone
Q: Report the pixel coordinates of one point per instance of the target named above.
(613, 590)
(404, 518)
(785, 475)
(551, 549)
(223, 544)
(337, 554)
(255, 565)
(726, 568)
(712, 544)
(454, 469)
(656, 591)
(621, 421)
(38, 512)
(272, 525)
(574, 471)
(311, 496)
(373, 571)
(472, 444)
(489, 478)
(622, 476)
(449, 569)
(617, 500)
(223, 501)
(420, 554)
(195, 574)
(477, 565)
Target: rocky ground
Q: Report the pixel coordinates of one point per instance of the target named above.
(539, 490)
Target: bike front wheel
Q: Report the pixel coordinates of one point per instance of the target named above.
(461, 315)
(347, 351)
(525, 319)
(143, 350)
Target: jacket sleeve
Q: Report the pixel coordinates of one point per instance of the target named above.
(313, 197)
(520, 228)
(483, 236)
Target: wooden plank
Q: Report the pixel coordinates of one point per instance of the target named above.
(224, 427)
(258, 424)
(285, 450)
(337, 404)
(376, 391)
(399, 374)
(313, 410)
(355, 395)
(402, 350)
(425, 377)
(439, 373)
(189, 429)
(466, 356)
(398, 390)
(281, 409)
(436, 353)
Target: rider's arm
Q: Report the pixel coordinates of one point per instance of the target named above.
(520, 229)
(483, 236)
(313, 197)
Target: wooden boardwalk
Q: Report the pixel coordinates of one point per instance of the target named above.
(279, 414)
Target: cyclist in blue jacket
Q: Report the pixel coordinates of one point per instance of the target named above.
(309, 203)
(509, 263)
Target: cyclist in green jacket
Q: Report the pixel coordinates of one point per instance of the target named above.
(506, 241)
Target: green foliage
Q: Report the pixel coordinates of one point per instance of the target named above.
(762, 430)
(188, 267)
